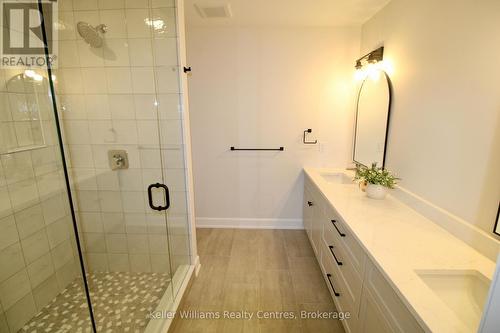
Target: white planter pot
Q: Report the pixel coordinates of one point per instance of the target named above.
(376, 191)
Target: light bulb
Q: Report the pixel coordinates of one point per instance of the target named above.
(373, 72)
(359, 75)
(375, 75)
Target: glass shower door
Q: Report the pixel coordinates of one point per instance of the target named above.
(119, 101)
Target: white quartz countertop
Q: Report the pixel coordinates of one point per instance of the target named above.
(400, 241)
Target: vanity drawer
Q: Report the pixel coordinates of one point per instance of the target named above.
(334, 251)
(336, 286)
(337, 227)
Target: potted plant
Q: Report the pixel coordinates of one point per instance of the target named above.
(376, 180)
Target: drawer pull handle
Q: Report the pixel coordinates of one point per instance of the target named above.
(335, 225)
(331, 284)
(309, 203)
(334, 256)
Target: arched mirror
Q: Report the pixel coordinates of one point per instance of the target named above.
(372, 119)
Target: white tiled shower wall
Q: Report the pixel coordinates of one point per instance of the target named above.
(124, 95)
(37, 254)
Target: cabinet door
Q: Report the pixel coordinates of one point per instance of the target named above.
(308, 212)
(317, 226)
(371, 317)
(392, 309)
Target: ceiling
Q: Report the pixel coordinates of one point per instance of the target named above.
(316, 13)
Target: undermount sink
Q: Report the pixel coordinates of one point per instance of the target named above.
(336, 178)
(463, 291)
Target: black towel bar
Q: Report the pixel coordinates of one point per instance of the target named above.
(259, 149)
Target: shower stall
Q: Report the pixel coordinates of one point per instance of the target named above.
(96, 208)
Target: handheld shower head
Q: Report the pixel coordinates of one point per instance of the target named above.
(91, 35)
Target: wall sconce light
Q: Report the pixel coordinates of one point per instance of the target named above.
(375, 56)
(369, 64)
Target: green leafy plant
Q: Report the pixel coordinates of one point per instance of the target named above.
(375, 175)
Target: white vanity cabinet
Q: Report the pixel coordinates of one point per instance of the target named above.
(355, 283)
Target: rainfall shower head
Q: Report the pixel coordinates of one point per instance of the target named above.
(91, 35)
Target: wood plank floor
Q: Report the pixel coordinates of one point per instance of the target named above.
(257, 270)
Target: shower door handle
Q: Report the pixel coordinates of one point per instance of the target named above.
(150, 197)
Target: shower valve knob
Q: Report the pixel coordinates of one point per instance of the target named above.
(102, 28)
(118, 159)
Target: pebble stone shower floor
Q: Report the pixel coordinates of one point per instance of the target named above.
(121, 302)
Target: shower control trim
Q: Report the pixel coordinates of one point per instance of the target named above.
(118, 159)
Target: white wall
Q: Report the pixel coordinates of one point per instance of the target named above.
(261, 87)
(445, 124)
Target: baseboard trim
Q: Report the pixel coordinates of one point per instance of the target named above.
(246, 223)
(475, 237)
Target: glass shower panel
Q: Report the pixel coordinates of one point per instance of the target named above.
(39, 260)
(117, 85)
(170, 114)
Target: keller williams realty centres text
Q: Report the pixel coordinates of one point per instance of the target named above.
(249, 315)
